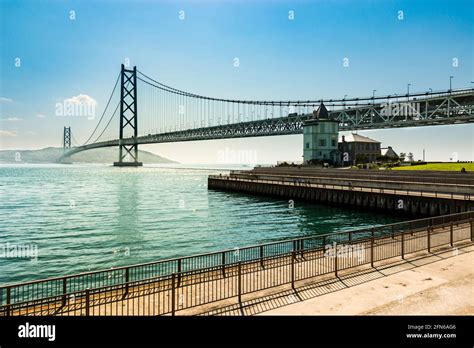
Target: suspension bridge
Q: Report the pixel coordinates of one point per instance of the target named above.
(168, 114)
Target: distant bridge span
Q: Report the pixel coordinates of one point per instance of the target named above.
(176, 116)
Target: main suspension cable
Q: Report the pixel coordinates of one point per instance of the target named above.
(103, 113)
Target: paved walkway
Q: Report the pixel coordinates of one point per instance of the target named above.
(441, 284)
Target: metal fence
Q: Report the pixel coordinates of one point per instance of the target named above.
(168, 286)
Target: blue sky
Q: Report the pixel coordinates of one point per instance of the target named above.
(279, 59)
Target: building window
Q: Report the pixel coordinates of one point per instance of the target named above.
(322, 142)
(307, 145)
(333, 142)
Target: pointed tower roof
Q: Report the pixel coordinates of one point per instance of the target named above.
(322, 112)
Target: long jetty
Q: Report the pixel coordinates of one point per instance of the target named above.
(417, 193)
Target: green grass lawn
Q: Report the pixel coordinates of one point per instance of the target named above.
(439, 166)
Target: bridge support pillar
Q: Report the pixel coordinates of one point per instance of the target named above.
(128, 147)
(67, 138)
(67, 144)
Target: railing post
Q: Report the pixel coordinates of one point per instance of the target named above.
(472, 229)
(239, 285)
(173, 294)
(335, 261)
(350, 236)
(179, 272)
(8, 300)
(301, 247)
(372, 251)
(293, 256)
(223, 263)
(429, 239)
(261, 256)
(403, 245)
(88, 299)
(451, 233)
(64, 290)
(393, 229)
(127, 277)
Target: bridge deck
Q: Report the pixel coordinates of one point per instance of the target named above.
(442, 108)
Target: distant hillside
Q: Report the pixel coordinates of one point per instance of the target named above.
(51, 154)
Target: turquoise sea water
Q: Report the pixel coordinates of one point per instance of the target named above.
(82, 218)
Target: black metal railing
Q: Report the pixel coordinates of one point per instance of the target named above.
(170, 285)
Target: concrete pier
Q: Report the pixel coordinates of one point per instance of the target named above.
(418, 194)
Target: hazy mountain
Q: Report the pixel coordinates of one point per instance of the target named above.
(51, 154)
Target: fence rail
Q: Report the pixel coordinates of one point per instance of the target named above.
(167, 286)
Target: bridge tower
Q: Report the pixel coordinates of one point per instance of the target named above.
(67, 138)
(128, 118)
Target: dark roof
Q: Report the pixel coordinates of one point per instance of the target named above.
(322, 112)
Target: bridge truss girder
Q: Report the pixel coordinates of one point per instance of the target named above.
(450, 108)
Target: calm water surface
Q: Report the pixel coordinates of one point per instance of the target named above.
(88, 217)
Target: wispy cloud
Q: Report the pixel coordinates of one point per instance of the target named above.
(81, 99)
(5, 133)
(4, 100)
(40, 115)
(10, 119)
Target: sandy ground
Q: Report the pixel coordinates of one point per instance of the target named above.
(441, 284)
